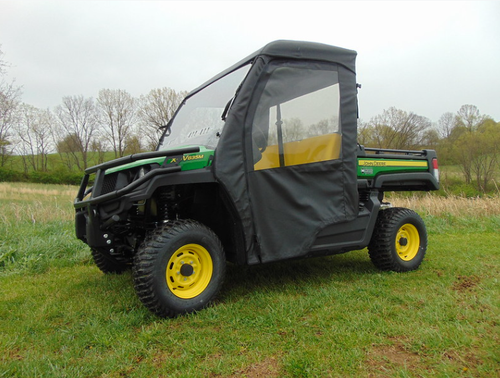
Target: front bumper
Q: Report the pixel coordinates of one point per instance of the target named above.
(99, 207)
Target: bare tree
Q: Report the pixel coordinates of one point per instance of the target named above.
(9, 101)
(43, 131)
(34, 133)
(396, 128)
(430, 139)
(468, 116)
(68, 148)
(78, 126)
(117, 109)
(446, 124)
(133, 145)
(3, 64)
(293, 130)
(478, 153)
(365, 133)
(156, 109)
(99, 147)
(475, 140)
(325, 126)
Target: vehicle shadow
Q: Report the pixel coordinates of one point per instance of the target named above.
(293, 276)
(274, 277)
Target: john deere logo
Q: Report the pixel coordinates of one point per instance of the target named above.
(372, 163)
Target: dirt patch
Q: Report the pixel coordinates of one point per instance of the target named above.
(267, 368)
(465, 283)
(466, 361)
(13, 354)
(382, 359)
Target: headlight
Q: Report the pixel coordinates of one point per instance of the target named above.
(141, 173)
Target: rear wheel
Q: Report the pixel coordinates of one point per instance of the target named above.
(179, 268)
(399, 241)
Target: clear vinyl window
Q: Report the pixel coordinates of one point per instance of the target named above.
(198, 121)
(297, 118)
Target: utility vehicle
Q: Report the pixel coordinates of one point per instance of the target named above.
(259, 164)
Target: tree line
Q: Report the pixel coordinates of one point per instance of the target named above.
(81, 130)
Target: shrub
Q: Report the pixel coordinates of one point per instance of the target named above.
(56, 177)
(9, 175)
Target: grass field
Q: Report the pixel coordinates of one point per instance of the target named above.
(327, 317)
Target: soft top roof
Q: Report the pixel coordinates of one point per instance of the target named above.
(293, 50)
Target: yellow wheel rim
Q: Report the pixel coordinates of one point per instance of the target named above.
(407, 242)
(189, 271)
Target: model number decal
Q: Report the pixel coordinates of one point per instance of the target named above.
(178, 159)
(192, 157)
(367, 171)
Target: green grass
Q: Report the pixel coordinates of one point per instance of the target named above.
(36, 228)
(56, 162)
(327, 317)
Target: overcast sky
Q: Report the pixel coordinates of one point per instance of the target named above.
(428, 57)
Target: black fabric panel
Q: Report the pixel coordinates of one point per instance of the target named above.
(292, 204)
(229, 161)
(283, 209)
(311, 51)
(349, 121)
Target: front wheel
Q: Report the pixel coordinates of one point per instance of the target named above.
(107, 263)
(179, 268)
(399, 241)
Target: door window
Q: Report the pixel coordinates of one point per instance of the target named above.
(297, 118)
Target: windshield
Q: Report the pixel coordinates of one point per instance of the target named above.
(199, 122)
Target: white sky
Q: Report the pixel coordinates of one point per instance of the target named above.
(428, 57)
